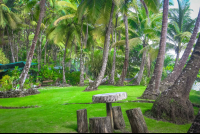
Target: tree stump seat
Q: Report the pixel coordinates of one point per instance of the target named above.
(108, 98)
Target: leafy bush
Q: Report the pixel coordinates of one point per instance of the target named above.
(27, 84)
(6, 83)
(49, 74)
(73, 78)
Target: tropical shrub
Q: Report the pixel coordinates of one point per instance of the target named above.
(3, 59)
(73, 78)
(6, 83)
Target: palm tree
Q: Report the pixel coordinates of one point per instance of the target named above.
(152, 90)
(147, 29)
(97, 82)
(31, 52)
(8, 20)
(180, 23)
(169, 81)
(174, 102)
(124, 70)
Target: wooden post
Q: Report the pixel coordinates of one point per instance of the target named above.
(110, 114)
(136, 119)
(118, 118)
(82, 121)
(195, 127)
(100, 125)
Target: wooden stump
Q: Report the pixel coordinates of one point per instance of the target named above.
(82, 121)
(195, 127)
(100, 125)
(118, 118)
(110, 114)
(136, 119)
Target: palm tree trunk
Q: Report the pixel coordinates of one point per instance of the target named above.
(64, 57)
(112, 76)
(140, 74)
(81, 58)
(152, 90)
(97, 82)
(148, 64)
(11, 46)
(45, 52)
(174, 102)
(124, 71)
(39, 54)
(31, 52)
(177, 56)
(169, 81)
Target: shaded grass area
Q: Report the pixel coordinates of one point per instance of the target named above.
(54, 117)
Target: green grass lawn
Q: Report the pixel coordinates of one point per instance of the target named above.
(55, 117)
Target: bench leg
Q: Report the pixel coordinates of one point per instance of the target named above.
(109, 113)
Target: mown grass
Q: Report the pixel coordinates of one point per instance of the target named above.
(55, 117)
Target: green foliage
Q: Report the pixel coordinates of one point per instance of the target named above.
(27, 84)
(3, 59)
(73, 78)
(48, 72)
(6, 83)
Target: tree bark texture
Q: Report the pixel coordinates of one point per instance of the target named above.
(118, 118)
(100, 125)
(169, 81)
(31, 52)
(97, 82)
(81, 58)
(137, 122)
(148, 64)
(174, 102)
(124, 71)
(177, 55)
(152, 90)
(64, 57)
(82, 121)
(195, 127)
(140, 74)
(11, 46)
(112, 76)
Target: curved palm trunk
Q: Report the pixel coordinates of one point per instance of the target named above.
(81, 58)
(140, 74)
(97, 82)
(31, 52)
(124, 71)
(177, 56)
(152, 90)
(64, 57)
(167, 82)
(174, 102)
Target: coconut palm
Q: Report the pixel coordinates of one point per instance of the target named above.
(180, 24)
(152, 90)
(31, 52)
(169, 81)
(176, 98)
(8, 20)
(104, 6)
(147, 29)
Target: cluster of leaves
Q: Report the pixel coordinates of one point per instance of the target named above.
(6, 83)
(73, 78)
(48, 72)
(3, 59)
